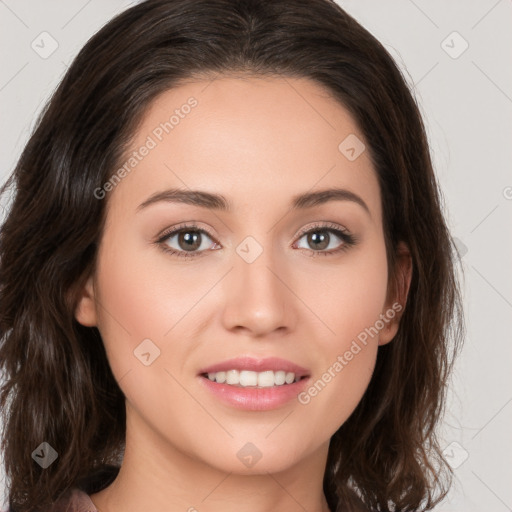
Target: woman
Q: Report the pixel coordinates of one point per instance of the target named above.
(226, 279)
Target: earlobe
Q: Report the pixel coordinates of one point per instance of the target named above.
(85, 312)
(398, 293)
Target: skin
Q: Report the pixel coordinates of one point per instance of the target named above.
(257, 141)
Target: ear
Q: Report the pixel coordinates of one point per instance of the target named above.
(85, 311)
(398, 291)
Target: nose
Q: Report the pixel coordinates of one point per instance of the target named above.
(257, 296)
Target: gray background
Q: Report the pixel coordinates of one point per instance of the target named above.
(466, 100)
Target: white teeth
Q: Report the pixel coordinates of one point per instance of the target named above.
(289, 378)
(246, 378)
(232, 377)
(266, 379)
(280, 378)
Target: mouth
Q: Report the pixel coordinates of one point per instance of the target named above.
(252, 379)
(255, 384)
(247, 371)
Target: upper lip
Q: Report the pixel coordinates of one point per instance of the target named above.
(257, 365)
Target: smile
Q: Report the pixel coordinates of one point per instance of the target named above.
(247, 378)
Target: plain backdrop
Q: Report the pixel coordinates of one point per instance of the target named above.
(457, 58)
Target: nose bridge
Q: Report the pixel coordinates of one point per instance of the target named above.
(257, 297)
(256, 265)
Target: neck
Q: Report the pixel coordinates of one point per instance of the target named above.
(156, 475)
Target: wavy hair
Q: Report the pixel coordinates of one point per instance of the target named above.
(57, 383)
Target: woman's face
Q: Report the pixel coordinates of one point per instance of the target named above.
(282, 273)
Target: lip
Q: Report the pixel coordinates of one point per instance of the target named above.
(253, 398)
(257, 365)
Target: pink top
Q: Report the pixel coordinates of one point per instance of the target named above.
(75, 500)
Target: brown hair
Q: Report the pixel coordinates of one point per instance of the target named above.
(58, 386)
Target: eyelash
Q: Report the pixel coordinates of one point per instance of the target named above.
(348, 239)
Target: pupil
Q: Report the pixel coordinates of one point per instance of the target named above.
(191, 240)
(323, 237)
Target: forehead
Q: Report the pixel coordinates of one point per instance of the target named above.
(249, 138)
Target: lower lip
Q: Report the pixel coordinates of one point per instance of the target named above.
(255, 399)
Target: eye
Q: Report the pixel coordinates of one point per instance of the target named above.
(320, 237)
(188, 239)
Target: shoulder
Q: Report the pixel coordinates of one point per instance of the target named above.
(75, 500)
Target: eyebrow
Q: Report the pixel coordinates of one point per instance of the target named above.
(218, 202)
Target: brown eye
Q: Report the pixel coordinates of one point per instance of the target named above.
(185, 241)
(320, 238)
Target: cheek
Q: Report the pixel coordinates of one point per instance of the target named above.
(348, 361)
(137, 300)
(144, 296)
(349, 295)
(350, 307)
